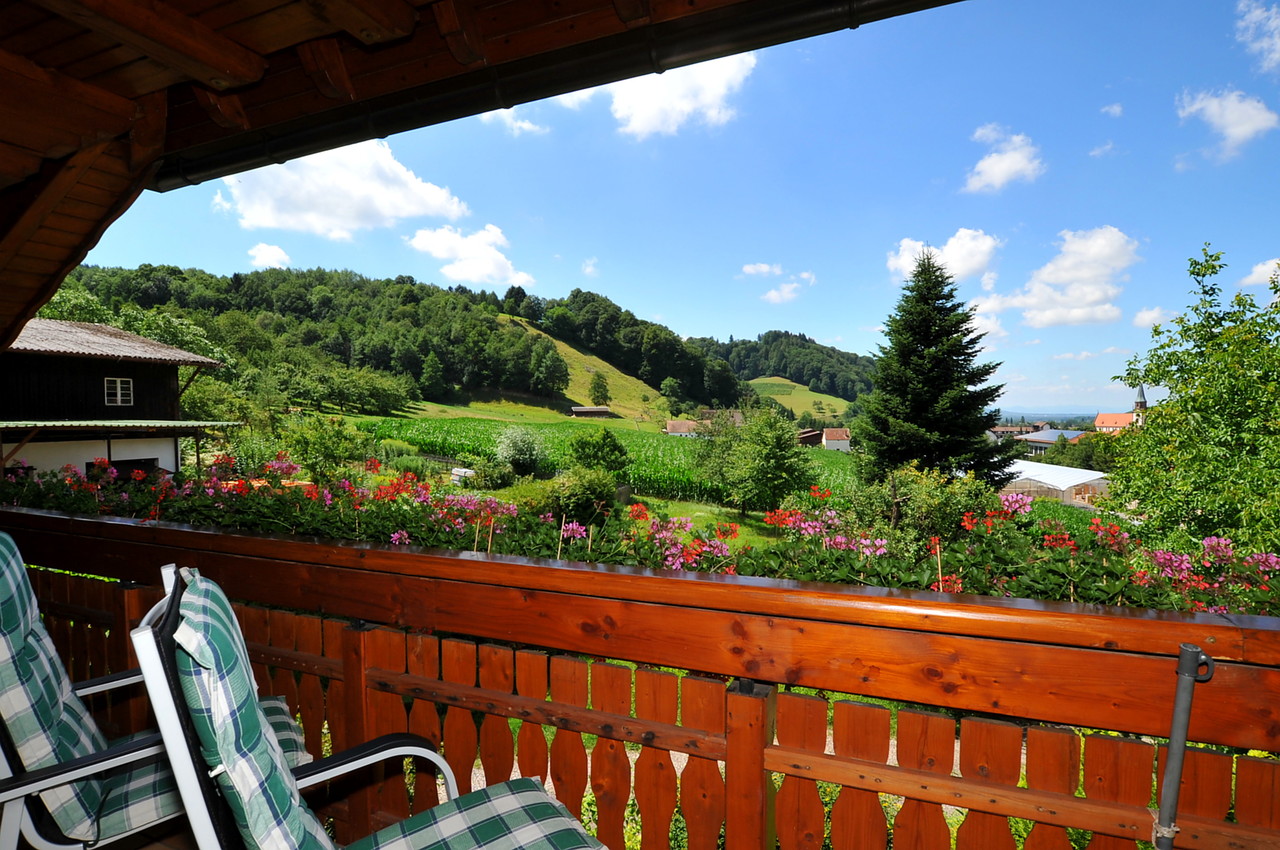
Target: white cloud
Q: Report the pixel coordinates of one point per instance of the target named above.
(808, 277)
(782, 294)
(989, 281)
(515, 125)
(1012, 157)
(590, 267)
(1078, 286)
(1089, 355)
(989, 325)
(335, 193)
(1261, 274)
(1115, 110)
(663, 103)
(966, 254)
(1103, 150)
(762, 268)
(1149, 316)
(575, 99)
(264, 256)
(1233, 115)
(474, 258)
(1258, 29)
(220, 204)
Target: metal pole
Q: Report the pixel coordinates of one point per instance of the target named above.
(1190, 660)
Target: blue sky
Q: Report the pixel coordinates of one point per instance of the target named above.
(1065, 160)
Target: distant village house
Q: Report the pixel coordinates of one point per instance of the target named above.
(1038, 443)
(1110, 423)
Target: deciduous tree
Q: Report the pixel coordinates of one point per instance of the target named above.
(599, 391)
(1206, 460)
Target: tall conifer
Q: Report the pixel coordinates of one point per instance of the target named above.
(932, 402)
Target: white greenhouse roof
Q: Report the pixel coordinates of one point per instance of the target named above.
(1058, 477)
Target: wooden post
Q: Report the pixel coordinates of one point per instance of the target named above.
(131, 605)
(355, 639)
(752, 717)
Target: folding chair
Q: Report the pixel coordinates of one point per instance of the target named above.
(237, 788)
(61, 784)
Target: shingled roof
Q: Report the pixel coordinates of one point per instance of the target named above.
(82, 339)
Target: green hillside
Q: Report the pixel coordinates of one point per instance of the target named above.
(798, 398)
(630, 398)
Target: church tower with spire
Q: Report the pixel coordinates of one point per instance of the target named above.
(1140, 407)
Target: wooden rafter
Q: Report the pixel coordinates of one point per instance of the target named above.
(225, 110)
(51, 114)
(371, 21)
(160, 32)
(322, 60)
(56, 185)
(458, 27)
(146, 139)
(632, 12)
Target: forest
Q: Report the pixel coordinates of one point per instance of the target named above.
(316, 337)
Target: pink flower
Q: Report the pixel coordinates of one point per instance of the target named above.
(399, 538)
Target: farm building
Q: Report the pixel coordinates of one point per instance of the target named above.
(681, 428)
(72, 391)
(835, 439)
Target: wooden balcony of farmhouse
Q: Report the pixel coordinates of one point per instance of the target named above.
(723, 708)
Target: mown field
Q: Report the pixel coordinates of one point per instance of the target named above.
(661, 466)
(798, 398)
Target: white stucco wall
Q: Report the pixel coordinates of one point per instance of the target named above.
(47, 457)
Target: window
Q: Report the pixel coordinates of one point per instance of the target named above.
(119, 392)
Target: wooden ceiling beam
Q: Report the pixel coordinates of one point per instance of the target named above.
(371, 21)
(322, 60)
(16, 164)
(162, 33)
(459, 30)
(58, 180)
(632, 12)
(52, 115)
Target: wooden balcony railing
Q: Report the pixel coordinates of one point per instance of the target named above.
(722, 705)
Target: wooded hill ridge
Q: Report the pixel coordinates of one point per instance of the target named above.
(317, 335)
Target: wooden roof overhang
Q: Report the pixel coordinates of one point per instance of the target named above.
(100, 99)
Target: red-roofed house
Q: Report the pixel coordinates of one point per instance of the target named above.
(1109, 423)
(836, 439)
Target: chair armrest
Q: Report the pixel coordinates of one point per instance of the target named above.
(35, 781)
(106, 683)
(380, 749)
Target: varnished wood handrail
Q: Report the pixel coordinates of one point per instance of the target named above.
(1051, 662)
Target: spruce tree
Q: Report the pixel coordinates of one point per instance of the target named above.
(931, 401)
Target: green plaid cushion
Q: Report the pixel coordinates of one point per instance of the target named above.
(137, 795)
(510, 815)
(288, 732)
(46, 720)
(236, 742)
